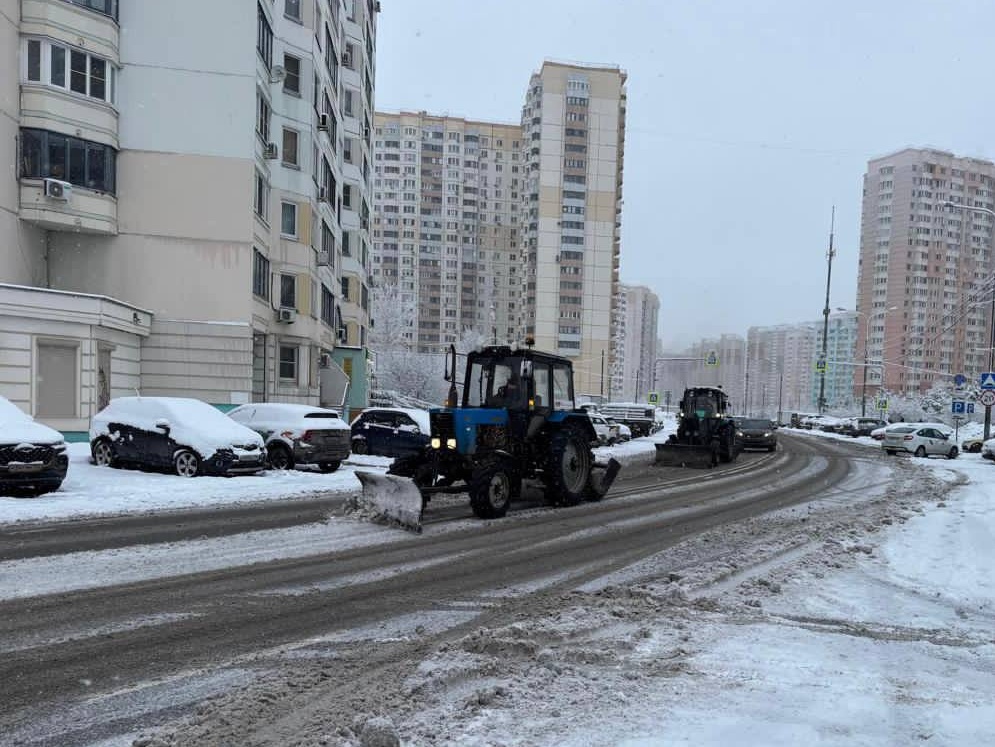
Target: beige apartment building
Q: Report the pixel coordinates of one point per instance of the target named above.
(780, 369)
(573, 134)
(189, 214)
(446, 230)
(924, 284)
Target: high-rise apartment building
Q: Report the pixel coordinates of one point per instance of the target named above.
(780, 367)
(841, 361)
(573, 126)
(189, 213)
(446, 229)
(676, 371)
(635, 336)
(923, 288)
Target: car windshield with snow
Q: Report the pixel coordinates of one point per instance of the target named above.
(187, 436)
(297, 434)
(32, 456)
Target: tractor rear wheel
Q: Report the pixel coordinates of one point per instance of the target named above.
(490, 489)
(568, 468)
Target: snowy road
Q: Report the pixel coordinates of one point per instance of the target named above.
(348, 612)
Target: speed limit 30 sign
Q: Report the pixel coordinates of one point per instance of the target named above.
(987, 398)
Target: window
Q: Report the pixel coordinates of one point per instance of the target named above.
(260, 275)
(349, 58)
(107, 7)
(331, 60)
(292, 79)
(347, 196)
(262, 117)
(290, 139)
(57, 383)
(347, 150)
(327, 306)
(261, 201)
(288, 219)
(346, 242)
(82, 163)
(292, 9)
(288, 362)
(328, 240)
(57, 66)
(264, 37)
(345, 289)
(34, 60)
(347, 102)
(288, 292)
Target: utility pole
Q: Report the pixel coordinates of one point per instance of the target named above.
(825, 316)
(602, 375)
(780, 393)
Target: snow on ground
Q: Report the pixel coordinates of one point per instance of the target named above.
(865, 619)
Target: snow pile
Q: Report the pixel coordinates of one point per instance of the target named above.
(17, 427)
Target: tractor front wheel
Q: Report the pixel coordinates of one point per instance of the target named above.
(490, 489)
(568, 467)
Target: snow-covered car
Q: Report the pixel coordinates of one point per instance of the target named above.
(606, 431)
(624, 431)
(390, 431)
(297, 434)
(33, 456)
(861, 426)
(186, 435)
(988, 449)
(920, 439)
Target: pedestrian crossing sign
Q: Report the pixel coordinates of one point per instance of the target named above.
(712, 359)
(988, 380)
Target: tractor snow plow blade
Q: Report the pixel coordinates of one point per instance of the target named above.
(390, 499)
(685, 455)
(602, 477)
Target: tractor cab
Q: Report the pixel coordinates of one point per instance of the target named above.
(518, 381)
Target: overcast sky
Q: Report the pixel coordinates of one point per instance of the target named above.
(747, 122)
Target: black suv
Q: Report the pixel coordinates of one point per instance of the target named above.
(33, 457)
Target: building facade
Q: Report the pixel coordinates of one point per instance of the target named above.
(780, 368)
(446, 227)
(923, 287)
(215, 187)
(634, 340)
(842, 362)
(573, 134)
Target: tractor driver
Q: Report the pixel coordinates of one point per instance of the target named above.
(510, 393)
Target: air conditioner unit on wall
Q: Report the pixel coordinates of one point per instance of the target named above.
(323, 122)
(277, 74)
(324, 259)
(343, 334)
(270, 151)
(57, 189)
(286, 316)
(324, 361)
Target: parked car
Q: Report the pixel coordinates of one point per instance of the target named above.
(920, 439)
(187, 436)
(755, 433)
(861, 426)
(624, 431)
(606, 431)
(297, 434)
(988, 449)
(390, 431)
(972, 445)
(33, 456)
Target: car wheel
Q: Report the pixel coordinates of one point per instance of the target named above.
(890, 452)
(952, 454)
(360, 447)
(772, 448)
(186, 463)
(103, 453)
(280, 457)
(921, 452)
(975, 449)
(329, 466)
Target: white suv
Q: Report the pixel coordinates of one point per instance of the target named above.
(920, 439)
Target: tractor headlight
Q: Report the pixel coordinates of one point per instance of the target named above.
(766, 435)
(450, 443)
(436, 443)
(739, 433)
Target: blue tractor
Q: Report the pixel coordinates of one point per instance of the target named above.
(516, 420)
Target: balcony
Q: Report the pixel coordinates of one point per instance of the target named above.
(85, 210)
(47, 108)
(91, 24)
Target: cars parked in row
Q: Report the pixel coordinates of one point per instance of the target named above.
(860, 426)
(606, 431)
(33, 456)
(920, 439)
(390, 432)
(186, 436)
(972, 445)
(297, 434)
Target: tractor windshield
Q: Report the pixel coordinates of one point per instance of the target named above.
(495, 382)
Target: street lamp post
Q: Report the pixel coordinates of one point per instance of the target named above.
(991, 347)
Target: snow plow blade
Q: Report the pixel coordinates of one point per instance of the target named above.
(391, 499)
(685, 455)
(602, 477)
